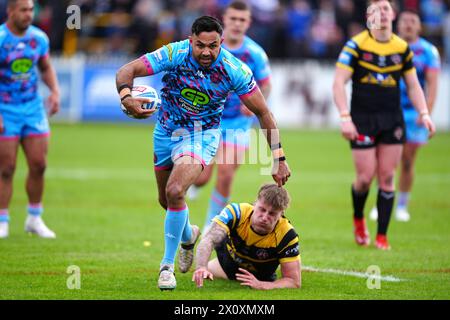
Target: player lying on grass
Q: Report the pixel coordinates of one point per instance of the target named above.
(250, 242)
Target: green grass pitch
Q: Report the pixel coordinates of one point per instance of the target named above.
(101, 200)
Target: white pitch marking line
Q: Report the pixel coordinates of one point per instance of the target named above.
(145, 174)
(353, 274)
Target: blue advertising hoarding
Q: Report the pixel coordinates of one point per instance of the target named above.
(100, 98)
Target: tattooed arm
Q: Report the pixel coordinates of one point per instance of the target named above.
(212, 238)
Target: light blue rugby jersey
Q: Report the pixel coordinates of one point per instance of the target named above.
(256, 58)
(426, 57)
(19, 57)
(193, 95)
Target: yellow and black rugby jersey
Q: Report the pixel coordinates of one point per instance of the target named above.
(259, 254)
(377, 69)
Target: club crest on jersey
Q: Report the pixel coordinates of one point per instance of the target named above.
(262, 254)
(367, 56)
(396, 59)
(33, 43)
(382, 61)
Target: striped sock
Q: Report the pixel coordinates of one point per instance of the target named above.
(35, 209)
(4, 215)
(173, 230)
(216, 204)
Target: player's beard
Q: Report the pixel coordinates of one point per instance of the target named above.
(23, 25)
(206, 63)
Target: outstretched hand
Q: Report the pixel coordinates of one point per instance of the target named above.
(248, 279)
(281, 172)
(200, 274)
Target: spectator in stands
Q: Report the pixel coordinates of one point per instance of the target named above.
(298, 21)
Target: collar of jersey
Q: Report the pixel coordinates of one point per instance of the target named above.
(198, 66)
(381, 42)
(14, 35)
(415, 43)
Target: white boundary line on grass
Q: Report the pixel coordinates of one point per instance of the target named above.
(353, 274)
(146, 174)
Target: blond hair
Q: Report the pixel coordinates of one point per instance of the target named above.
(275, 196)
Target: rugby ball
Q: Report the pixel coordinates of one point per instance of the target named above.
(144, 91)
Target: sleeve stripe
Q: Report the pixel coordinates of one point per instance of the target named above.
(263, 81)
(45, 56)
(409, 57)
(287, 238)
(237, 209)
(375, 68)
(230, 212)
(248, 94)
(351, 51)
(292, 242)
(409, 70)
(344, 66)
(290, 259)
(229, 208)
(148, 65)
(223, 225)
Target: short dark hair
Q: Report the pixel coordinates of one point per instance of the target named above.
(12, 3)
(206, 24)
(239, 5)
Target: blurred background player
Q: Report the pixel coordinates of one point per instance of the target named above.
(251, 241)
(199, 75)
(427, 63)
(375, 60)
(23, 118)
(237, 119)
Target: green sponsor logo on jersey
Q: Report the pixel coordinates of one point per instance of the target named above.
(194, 96)
(21, 65)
